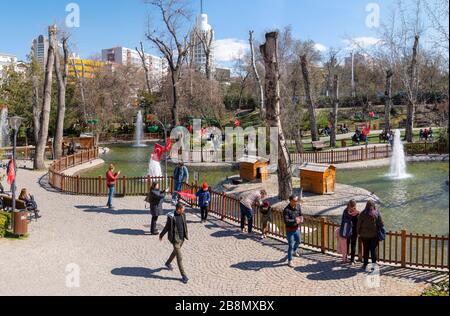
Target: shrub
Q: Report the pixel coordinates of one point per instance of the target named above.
(440, 289)
(5, 219)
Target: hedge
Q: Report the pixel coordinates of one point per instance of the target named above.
(5, 219)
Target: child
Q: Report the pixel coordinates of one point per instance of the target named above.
(266, 217)
(204, 199)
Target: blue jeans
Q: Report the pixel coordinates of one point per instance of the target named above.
(176, 188)
(111, 191)
(246, 213)
(294, 242)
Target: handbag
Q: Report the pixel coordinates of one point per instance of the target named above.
(381, 232)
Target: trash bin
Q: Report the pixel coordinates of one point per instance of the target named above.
(20, 223)
(343, 143)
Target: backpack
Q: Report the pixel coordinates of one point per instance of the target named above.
(346, 229)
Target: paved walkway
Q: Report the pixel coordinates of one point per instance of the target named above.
(116, 257)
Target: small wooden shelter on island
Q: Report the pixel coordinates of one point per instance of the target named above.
(318, 178)
(254, 168)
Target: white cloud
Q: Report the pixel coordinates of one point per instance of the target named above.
(361, 42)
(229, 49)
(320, 47)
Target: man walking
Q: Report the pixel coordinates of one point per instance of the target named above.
(180, 176)
(248, 201)
(293, 217)
(177, 231)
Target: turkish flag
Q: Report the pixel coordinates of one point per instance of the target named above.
(187, 195)
(237, 123)
(168, 145)
(11, 172)
(158, 152)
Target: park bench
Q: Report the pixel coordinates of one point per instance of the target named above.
(20, 205)
(319, 145)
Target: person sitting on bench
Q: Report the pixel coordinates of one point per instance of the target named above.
(30, 203)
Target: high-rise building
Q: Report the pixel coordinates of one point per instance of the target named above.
(202, 36)
(6, 60)
(84, 68)
(130, 57)
(40, 48)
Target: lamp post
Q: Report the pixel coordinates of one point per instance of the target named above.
(14, 123)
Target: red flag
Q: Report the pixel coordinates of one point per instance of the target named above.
(159, 150)
(187, 195)
(168, 145)
(11, 172)
(237, 123)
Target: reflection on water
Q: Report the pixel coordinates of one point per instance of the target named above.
(133, 162)
(418, 204)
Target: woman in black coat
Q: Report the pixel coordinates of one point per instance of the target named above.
(156, 200)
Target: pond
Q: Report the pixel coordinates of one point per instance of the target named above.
(133, 162)
(418, 204)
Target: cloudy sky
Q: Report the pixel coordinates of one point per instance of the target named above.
(108, 23)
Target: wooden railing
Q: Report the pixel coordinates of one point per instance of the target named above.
(400, 248)
(24, 152)
(130, 137)
(343, 155)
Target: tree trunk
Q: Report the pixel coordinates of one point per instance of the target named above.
(272, 92)
(309, 99)
(412, 93)
(258, 78)
(388, 101)
(176, 118)
(37, 109)
(81, 86)
(39, 159)
(334, 115)
(299, 141)
(61, 77)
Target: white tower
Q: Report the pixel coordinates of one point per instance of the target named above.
(205, 32)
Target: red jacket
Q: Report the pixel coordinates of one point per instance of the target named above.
(111, 178)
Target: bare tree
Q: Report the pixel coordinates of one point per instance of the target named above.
(145, 62)
(172, 44)
(258, 78)
(36, 103)
(80, 81)
(309, 98)
(334, 114)
(272, 92)
(39, 159)
(61, 76)
(388, 100)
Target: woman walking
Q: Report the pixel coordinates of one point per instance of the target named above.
(156, 199)
(111, 180)
(369, 224)
(348, 232)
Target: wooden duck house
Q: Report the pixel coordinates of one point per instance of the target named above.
(318, 178)
(254, 168)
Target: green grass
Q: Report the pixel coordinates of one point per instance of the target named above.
(440, 289)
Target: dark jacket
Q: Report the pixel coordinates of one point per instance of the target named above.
(290, 215)
(368, 225)
(346, 217)
(171, 229)
(181, 174)
(156, 200)
(204, 198)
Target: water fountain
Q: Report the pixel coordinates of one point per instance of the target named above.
(398, 160)
(139, 132)
(4, 128)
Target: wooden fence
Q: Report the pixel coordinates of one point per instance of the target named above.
(400, 248)
(24, 152)
(130, 137)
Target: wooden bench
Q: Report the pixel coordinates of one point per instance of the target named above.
(20, 205)
(319, 145)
